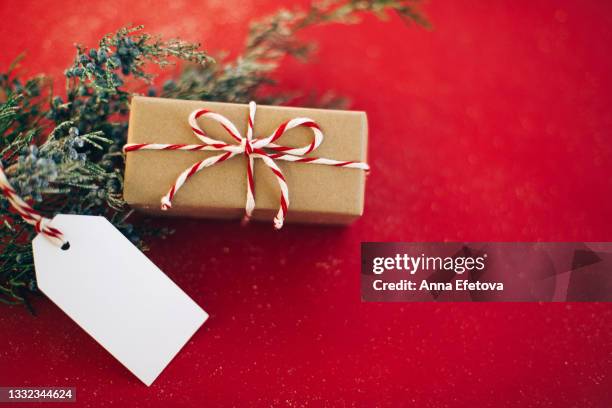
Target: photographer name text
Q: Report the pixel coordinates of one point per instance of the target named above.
(411, 265)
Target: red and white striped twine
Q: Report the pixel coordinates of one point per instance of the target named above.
(29, 215)
(252, 148)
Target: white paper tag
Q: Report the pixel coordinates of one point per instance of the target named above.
(116, 294)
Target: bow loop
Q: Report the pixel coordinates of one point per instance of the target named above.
(227, 124)
(268, 142)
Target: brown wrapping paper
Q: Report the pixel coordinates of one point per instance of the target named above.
(317, 193)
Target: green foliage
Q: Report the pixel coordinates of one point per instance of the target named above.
(64, 155)
(269, 42)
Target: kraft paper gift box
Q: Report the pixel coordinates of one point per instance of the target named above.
(317, 193)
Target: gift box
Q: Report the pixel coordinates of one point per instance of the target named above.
(164, 146)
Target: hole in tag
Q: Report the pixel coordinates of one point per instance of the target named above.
(66, 246)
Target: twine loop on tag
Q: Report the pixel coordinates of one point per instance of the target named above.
(41, 224)
(253, 148)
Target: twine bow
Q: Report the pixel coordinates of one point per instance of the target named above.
(253, 148)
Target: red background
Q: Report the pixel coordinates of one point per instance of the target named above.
(494, 126)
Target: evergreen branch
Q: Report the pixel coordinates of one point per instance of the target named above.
(271, 40)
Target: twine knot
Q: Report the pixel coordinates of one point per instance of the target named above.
(247, 147)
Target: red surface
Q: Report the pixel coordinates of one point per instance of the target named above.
(495, 126)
